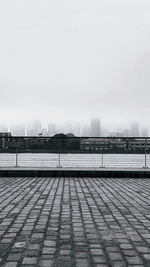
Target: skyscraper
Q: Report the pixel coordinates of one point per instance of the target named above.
(51, 129)
(134, 129)
(18, 130)
(144, 132)
(34, 128)
(95, 127)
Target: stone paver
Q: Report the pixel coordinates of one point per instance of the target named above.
(79, 222)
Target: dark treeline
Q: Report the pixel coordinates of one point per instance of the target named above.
(36, 144)
(70, 144)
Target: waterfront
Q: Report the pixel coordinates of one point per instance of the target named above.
(75, 160)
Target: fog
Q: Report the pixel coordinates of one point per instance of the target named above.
(70, 60)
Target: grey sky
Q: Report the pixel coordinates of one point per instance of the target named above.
(73, 59)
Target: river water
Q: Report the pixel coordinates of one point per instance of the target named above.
(75, 160)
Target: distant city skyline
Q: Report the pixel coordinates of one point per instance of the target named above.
(93, 128)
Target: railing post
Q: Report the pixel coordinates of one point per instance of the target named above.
(102, 159)
(17, 159)
(17, 155)
(59, 159)
(145, 166)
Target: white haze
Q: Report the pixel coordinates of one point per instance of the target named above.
(70, 60)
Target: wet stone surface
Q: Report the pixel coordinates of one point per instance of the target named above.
(78, 222)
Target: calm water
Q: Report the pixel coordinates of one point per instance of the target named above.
(74, 160)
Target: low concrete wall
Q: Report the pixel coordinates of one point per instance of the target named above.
(75, 173)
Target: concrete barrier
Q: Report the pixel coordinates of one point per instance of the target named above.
(62, 172)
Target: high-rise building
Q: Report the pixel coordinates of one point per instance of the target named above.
(34, 128)
(51, 129)
(95, 127)
(134, 129)
(144, 132)
(17, 130)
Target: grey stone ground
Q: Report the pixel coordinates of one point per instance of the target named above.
(80, 222)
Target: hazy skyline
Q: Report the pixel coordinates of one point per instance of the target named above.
(92, 128)
(70, 60)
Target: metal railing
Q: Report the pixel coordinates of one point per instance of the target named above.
(74, 152)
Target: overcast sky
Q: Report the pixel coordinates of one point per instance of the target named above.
(70, 60)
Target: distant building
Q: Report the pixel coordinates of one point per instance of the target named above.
(134, 129)
(17, 130)
(102, 144)
(144, 132)
(4, 139)
(34, 128)
(95, 127)
(5, 134)
(51, 129)
(109, 144)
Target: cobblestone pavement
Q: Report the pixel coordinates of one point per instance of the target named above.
(80, 222)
